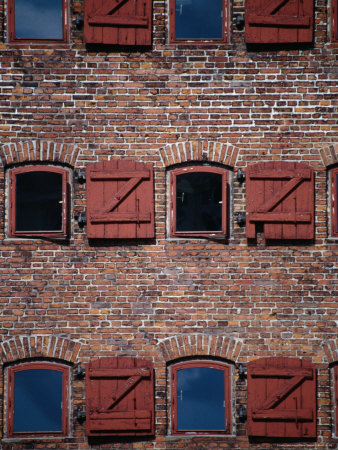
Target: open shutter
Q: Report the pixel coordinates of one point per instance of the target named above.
(120, 200)
(280, 195)
(281, 398)
(118, 22)
(335, 371)
(119, 397)
(278, 21)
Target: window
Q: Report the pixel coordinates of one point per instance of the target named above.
(198, 201)
(37, 20)
(198, 21)
(334, 20)
(334, 201)
(200, 398)
(38, 399)
(38, 201)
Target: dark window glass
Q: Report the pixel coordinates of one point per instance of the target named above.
(199, 202)
(37, 401)
(199, 19)
(200, 399)
(38, 19)
(38, 201)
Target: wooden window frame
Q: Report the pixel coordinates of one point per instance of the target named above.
(227, 395)
(62, 234)
(335, 398)
(11, 26)
(189, 169)
(334, 201)
(65, 398)
(198, 41)
(334, 20)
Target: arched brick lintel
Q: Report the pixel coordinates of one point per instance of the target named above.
(25, 347)
(185, 345)
(182, 152)
(34, 151)
(329, 155)
(330, 348)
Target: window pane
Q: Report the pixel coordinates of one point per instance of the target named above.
(199, 19)
(38, 201)
(200, 399)
(199, 202)
(38, 19)
(37, 400)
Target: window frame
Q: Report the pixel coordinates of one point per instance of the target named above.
(11, 26)
(334, 20)
(334, 201)
(173, 209)
(226, 368)
(198, 41)
(61, 234)
(12, 370)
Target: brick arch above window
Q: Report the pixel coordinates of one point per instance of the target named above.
(329, 155)
(36, 150)
(330, 348)
(182, 152)
(185, 345)
(24, 347)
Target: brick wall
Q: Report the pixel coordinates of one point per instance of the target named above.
(165, 299)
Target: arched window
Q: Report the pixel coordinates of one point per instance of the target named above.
(38, 400)
(198, 201)
(38, 201)
(200, 398)
(334, 201)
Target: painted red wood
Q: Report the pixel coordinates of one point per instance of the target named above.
(278, 21)
(281, 398)
(120, 22)
(335, 372)
(120, 200)
(119, 397)
(280, 195)
(334, 201)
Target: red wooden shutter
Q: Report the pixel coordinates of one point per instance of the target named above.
(280, 195)
(281, 398)
(278, 21)
(119, 397)
(335, 371)
(120, 200)
(118, 22)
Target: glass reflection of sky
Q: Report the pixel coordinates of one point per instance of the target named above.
(200, 399)
(199, 19)
(38, 19)
(37, 401)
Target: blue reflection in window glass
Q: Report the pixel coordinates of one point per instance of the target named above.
(38, 19)
(200, 399)
(37, 401)
(199, 19)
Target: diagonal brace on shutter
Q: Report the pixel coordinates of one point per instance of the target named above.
(265, 410)
(102, 16)
(268, 16)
